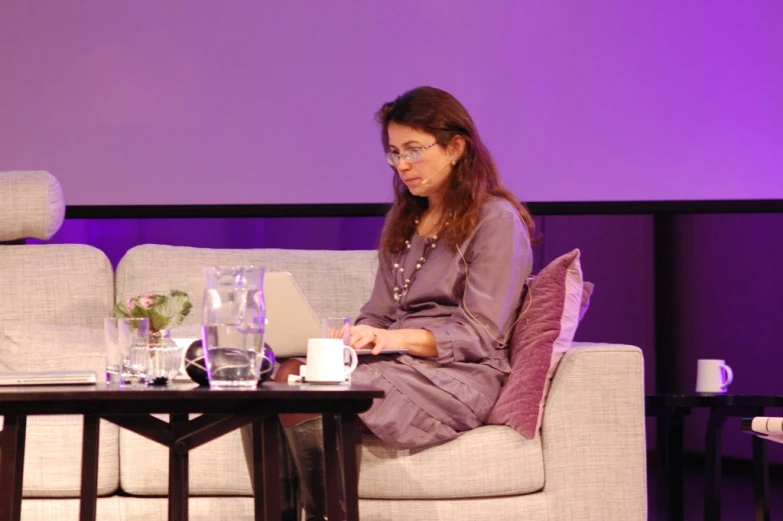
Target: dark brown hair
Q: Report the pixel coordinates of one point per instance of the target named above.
(474, 178)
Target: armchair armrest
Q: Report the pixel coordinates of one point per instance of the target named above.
(593, 435)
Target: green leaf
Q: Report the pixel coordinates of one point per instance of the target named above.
(164, 312)
(157, 320)
(121, 310)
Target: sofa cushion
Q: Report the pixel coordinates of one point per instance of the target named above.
(335, 283)
(199, 509)
(455, 469)
(530, 507)
(217, 468)
(67, 285)
(31, 205)
(550, 313)
(68, 509)
(54, 443)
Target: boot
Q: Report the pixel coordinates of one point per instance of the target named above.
(306, 442)
(289, 482)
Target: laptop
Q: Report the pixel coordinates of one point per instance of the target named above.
(290, 319)
(49, 378)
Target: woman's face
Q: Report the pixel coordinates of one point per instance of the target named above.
(422, 164)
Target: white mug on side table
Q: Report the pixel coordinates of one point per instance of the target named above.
(326, 361)
(713, 376)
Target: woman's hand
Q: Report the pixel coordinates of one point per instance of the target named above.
(366, 337)
(420, 342)
(341, 333)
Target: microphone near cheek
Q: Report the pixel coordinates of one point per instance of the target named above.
(427, 180)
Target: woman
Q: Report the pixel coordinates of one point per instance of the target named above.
(454, 256)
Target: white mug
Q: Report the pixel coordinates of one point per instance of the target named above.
(326, 361)
(713, 376)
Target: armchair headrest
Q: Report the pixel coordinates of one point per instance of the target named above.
(31, 205)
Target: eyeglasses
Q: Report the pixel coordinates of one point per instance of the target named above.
(411, 155)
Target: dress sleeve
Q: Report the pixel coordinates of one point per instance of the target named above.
(499, 260)
(379, 311)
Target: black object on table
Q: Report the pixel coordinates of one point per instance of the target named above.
(131, 408)
(671, 409)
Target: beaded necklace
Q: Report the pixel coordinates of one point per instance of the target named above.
(399, 271)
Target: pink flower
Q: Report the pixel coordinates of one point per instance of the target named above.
(130, 304)
(145, 302)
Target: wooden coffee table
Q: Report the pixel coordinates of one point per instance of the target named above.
(131, 408)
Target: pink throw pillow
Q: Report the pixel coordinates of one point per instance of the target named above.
(554, 303)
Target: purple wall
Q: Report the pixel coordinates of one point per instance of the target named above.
(183, 102)
(731, 307)
(116, 236)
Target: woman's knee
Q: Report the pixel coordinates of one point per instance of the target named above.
(289, 367)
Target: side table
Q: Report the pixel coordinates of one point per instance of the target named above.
(671, 409)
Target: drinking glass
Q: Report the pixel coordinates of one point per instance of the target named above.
(122, 336)
(337, 327)
(233, 322)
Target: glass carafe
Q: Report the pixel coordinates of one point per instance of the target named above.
(233, 322)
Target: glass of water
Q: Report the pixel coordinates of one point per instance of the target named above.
(122, 336)
(233, 321)
(337, 327)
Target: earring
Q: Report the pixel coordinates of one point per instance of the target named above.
(453, 162)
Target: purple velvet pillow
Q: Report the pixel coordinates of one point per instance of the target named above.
(554, 303)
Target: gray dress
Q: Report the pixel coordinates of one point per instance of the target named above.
(469, 301)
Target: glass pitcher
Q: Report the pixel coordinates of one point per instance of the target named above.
(233, 322)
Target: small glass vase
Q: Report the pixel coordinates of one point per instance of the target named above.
(163, 359)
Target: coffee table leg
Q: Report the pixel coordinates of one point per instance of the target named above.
(259, 484)
(350, 446)
(178, 471)
(713, 470)
(760, 478)
(332, 463)
(89, 500)
(266, 464)
(12, 467)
